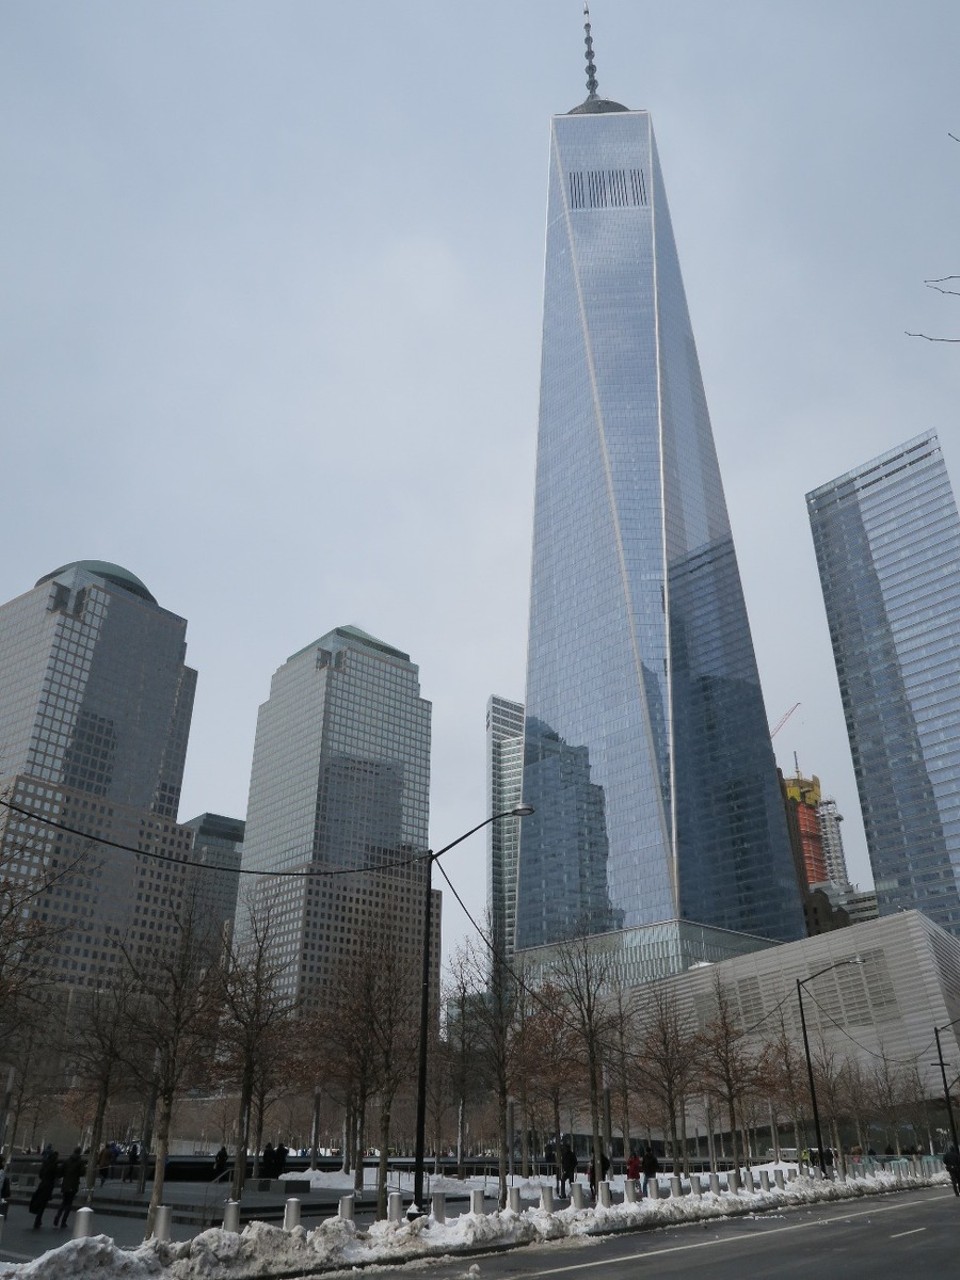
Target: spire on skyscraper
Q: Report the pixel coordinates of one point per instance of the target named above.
(591, 65)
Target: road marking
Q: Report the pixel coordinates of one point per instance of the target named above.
(734, 1239)
(914, 1232)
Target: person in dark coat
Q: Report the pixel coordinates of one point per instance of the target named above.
(46, 1181)
(280, 1158)
(73, 1170)
(568, 1167)
(220, 1162)
(651, 1167)
(268, 1161)
(952, 1163)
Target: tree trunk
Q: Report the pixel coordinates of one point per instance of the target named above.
(502, 1144)
(359, 1147)
(164, 1113)
(461, 1139)
(382, 1164)
(96, 1134)
(243, 1137)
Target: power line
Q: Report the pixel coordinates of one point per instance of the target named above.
(209, 866)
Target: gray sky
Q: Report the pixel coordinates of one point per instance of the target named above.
(270, 287)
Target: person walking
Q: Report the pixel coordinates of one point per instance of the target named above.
(103, 1164)
(650, 1166)
(568, 1167)
(46, 1181)
(952, 1162)
(220, 1163)
(633, 1169)
(73, 1169)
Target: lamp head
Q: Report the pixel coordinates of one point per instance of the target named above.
(522, 810)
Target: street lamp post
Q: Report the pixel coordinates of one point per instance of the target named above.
(518, 811)
(801, 983)
(943, 1073)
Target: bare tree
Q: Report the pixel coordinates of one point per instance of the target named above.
(551, 1059)
(669, 1053)
(730, 1068)
(173, 1023)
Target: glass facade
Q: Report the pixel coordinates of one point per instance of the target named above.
(340, 784)
(887, 540)
(647, 753)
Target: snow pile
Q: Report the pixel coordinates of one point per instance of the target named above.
(262, 1250)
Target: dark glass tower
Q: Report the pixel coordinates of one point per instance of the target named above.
(647, 753)
(887, 538)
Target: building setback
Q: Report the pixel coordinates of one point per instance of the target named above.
(339, 790)
(95, 709)
(887, 540)
(647, 754)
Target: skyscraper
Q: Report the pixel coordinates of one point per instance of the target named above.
(217, 855)
(647, 754)
(887, 540)
(829, 817)
(504, 792)
(95, 709)
(339, 788)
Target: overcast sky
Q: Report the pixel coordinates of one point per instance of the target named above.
(270, 289)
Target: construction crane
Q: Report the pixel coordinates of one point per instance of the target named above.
(783, 720)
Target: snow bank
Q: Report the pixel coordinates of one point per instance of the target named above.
(262, 1251)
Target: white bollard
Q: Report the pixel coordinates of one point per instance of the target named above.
(161, 1225)
(791, 1175)
(513, 1199)
(291, 1214)
(346, 1208)
(546, 1199)
(576, 1195)
(438, 1203)
(676, 1187)
(231, 1215)
(778, 1178)
(395, 1206)
(83, 1224)
(476, 1200)
(764, 1180)
(715, 1184)
(696, 1186)
(747, 1181)
(604, 1192)
(733, 1181)
(653, 1189)
(630, 1191)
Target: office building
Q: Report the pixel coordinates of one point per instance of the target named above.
(504, 792)
(887, 540)
(339, 790)
(829, 818)
(802, 799)
(647, 754)
(217, 855)
(95, 708)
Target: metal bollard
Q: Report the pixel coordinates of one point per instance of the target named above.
(395, 1206)
(476, 1200)
(161, 1225)
(513, 1199)
(346, 1208)
(603, 1191)
(791, 1175)
(438, 1202)
(676, 1187)
(696, 1186)
(83, 1224)
(231, 1215)
(546, 1199)
(576, 1195)
(778, 1178)
(715, 1184)
(291, 1214)
(764, 1180)
(746, 1182)
(630, 1191)
(653, 1189)
(733, 1181)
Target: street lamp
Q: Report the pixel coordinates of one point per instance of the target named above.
(518, 811)
(943, 1072)
(801, 983)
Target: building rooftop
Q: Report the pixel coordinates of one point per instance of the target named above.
(113, 573)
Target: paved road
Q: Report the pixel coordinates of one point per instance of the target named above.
(904, 1234)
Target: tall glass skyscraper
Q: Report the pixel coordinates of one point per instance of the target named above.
(504, 792)
(647, 753)
(887, 539)
(340, 788)
(95, 707)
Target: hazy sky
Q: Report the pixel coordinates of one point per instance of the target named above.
(270, 288)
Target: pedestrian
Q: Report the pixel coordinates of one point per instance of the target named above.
(73, 1168)
(650, 1166)
(568, 1167)
(280, 1158)
(633, 1169)
(220, 1163)
(4, 1188)
(268, 1161)
(46, 1181)
(133, 1159)
(103, 1164)
(952, 1162)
